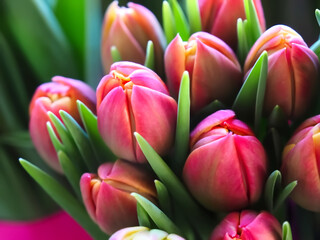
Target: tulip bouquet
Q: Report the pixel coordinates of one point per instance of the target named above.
(202, 127)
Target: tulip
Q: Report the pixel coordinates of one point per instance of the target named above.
(219, 17)
(301, 161)
(132, 98)
(60, 94)
(132, 233)
(226, 168)
(107, 198)
(292, 79)
(214, 70)
(129, 30)
(248, 225)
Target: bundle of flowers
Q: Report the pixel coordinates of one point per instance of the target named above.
(204, 127)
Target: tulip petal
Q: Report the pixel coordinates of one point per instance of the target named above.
(210, 122)
(114, 123)
(174, 64)
(151, 108)
(214, 189)
(112, 203)
(305, 70)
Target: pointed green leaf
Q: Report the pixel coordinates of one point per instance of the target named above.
(81, 140)
(71, 172)
(261, 89)
(143, 217)
(66, 142)
(63, 198)
(169, 25)
(253, 31)
(286, 231)
(193, 14)
(91, 126)
(284, 194)
(149, 62)
(162, 221)
(243, 47)
(248, 102)
(277, 118)
(183, 123)
(58, 146)
(180, 20)
(269, 192)
(115, 54)
(163, 198)
(175, 187)
(317, 13)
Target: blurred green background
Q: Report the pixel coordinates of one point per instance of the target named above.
(43, 38)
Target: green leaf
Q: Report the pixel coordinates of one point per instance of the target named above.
(249, 101)
(183, 123)
(163, 198)
(175, 187)
(284, 194)
(262, 82)
(286, 231)
(71, 17)
(71, 172)
(277, 145)
(65, 142)
(243, 47)
(149, 62)
(115, 54)
(63, 198)
(81, 140)
(193, 14)
(181, 22)
(273, 180)
(40, 38)
(89, 120)
(317, 13)
(93, 21)
(253, 30)
(162, 221)
(143, 217)
(169, 25)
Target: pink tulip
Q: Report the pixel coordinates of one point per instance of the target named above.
(248, 225)
(292, 78)
(301, 162)
(143, 233)
(226, 168)
(107, 195)
(214, 70)
(60, 94)
(129, 30)
(219, 17)
(132, 98)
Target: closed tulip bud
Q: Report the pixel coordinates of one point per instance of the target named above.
(226, 168)
(219, 17)
(248, 225)
(214, 70)
(144, 233)
(301, 162)
(292, 79)
(132, 98)
(107, 198)
(60, 94)
(129, 30)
